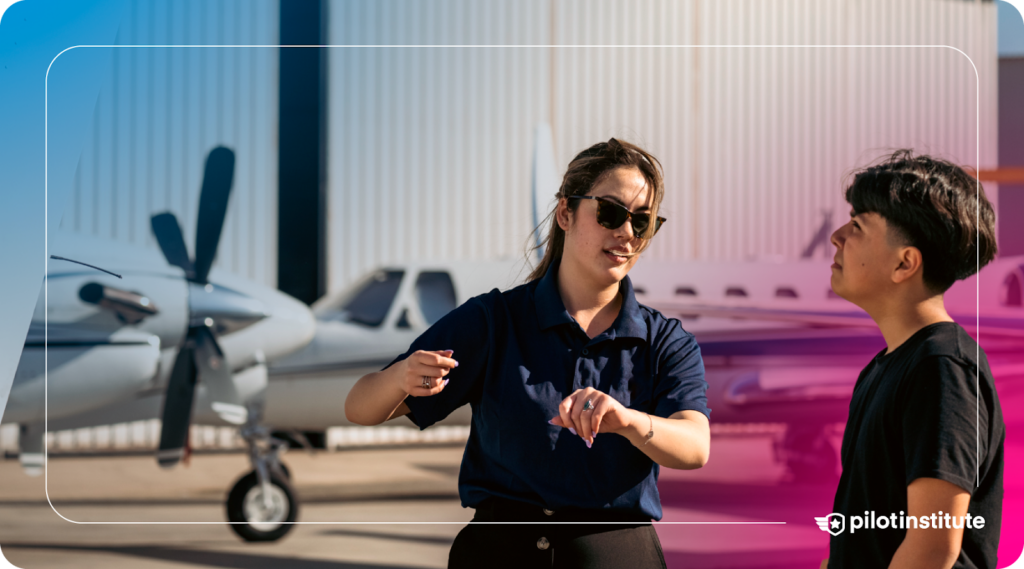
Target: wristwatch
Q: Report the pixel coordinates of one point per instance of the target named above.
(650, 433)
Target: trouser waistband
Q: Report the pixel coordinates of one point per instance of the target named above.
(506, 510)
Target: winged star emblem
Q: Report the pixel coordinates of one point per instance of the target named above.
(833, 523)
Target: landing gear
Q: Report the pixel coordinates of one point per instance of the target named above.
(262, 504)
(808, 454)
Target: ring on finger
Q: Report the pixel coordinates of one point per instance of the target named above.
(588, 406)
(427, 381)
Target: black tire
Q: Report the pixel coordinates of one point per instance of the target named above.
(243, 498)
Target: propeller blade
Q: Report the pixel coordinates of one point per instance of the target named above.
(218, 379)
(172, 242)
(213, 205)
(177, 414)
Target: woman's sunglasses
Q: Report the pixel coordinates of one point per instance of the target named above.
(611, 215)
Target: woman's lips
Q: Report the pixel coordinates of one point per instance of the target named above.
(618, 257)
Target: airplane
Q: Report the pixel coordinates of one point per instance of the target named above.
(118, 331)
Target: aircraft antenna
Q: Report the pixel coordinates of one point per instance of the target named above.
(85, 264)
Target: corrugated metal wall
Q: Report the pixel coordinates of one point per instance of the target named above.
(755, 141)
(164, 109)
(429, 148)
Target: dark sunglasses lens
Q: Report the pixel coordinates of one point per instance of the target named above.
(640, 223)
(611, 216)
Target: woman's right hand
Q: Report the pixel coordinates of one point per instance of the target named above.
(433, 365)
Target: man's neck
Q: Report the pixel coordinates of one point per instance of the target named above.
(900, 317)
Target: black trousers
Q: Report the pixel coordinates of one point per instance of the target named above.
(628, 543)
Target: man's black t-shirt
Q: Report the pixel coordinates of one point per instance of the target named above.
(915, 414)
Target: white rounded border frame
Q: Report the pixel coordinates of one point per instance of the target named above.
(977, 85)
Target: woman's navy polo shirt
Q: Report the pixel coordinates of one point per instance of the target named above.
(520, 354)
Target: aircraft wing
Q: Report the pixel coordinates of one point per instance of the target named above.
(1010, 327)
(832, 318)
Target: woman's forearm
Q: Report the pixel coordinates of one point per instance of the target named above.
(375, 397)
(379, 396)
(682, 441)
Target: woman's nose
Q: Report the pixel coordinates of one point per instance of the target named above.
(625, 230)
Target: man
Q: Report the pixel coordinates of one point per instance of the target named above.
(925, 432)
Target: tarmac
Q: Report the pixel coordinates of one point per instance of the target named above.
(124, 511)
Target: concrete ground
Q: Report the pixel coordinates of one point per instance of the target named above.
(419, 485)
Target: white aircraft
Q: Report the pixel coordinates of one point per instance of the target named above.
(118, 334)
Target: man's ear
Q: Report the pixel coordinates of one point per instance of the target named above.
(910, 264)
(563, 215)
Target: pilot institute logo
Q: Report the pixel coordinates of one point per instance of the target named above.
(833, 523)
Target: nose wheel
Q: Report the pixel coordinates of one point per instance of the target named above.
(261, 506)
(261, 512)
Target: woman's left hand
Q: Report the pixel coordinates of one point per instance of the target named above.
(607, 415)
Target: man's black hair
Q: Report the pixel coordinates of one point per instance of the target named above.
(933, 205)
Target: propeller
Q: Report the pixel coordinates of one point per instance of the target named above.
(199, 354)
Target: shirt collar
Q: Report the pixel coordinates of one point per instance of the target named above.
(551, 312)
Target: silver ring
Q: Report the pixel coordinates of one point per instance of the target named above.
(588, 406)
(427, 382)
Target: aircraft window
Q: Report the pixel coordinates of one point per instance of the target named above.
(436, 295)
(786, 292)
(369, 304)
(1013, 290)
(735, 291)
(639, 290)
(686, 291)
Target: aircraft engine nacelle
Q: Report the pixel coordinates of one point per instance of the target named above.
(80, 378)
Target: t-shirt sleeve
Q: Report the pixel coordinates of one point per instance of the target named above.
(941, 423)
(680, 384)
(465, 332)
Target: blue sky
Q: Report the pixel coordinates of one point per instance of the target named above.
(1011, 31)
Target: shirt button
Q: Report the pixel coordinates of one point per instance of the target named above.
(585, 351)
(543, 543)
(548, 512)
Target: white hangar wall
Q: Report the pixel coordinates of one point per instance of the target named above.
(162, 110)
(429, 148)
(756, 141)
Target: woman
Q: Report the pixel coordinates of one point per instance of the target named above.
(578, 392)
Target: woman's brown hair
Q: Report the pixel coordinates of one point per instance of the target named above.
(584, 172)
